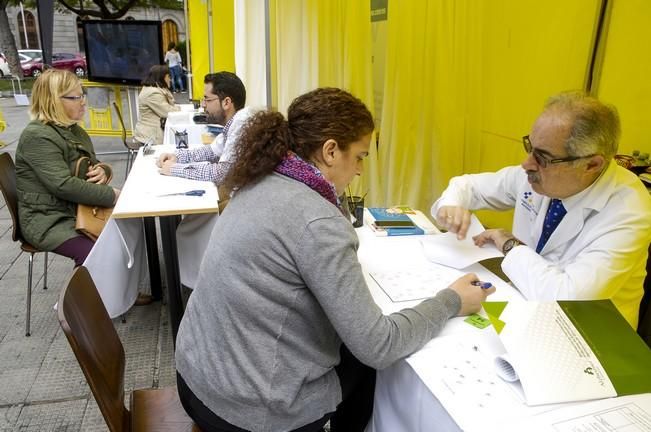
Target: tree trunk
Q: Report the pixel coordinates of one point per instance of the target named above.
(7, 41)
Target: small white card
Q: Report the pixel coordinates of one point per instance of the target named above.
(447, 250)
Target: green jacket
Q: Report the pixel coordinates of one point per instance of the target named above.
(47, 189)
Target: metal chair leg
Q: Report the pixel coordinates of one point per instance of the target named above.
(130, 157)
(126, 173)
(29, 293)
(45, 273)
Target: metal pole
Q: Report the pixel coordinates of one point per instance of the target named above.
(188, 51)
(211, 66)
(22, 14)
(267, 47)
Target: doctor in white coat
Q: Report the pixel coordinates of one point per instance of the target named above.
(598, 250)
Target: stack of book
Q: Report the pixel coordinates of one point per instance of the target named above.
(398, 221)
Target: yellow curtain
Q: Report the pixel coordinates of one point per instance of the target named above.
(325, 43)
(222, 42)
(625, 79)
(464, 80)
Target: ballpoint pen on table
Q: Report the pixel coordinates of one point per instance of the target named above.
(483, 285)
(197, 192)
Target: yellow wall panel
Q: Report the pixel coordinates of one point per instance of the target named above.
(625, 79)
(222, 40)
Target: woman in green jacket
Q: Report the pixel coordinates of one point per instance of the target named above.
(48, 149)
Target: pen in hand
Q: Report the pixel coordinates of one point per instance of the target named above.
(483, 285)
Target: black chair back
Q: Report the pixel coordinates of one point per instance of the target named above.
(8, 186)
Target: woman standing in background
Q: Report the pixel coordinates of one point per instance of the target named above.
(155, 101)
(173, 60)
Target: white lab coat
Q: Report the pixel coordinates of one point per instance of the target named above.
(598, 251)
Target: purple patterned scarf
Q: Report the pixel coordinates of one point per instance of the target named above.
(294, 167)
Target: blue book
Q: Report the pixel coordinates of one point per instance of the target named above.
(404, 231)
(392, 217)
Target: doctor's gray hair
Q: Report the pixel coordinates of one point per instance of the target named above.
(595, 126)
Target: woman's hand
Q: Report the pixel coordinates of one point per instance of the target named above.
(471, 295)
(96, 174)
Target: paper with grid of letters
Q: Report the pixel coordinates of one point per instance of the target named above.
(416, 283)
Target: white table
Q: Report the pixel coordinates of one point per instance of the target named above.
(141, 198)
(182, 121)
(403, 401)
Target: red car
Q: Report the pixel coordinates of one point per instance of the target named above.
(72, 62)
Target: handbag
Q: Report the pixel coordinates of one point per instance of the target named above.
(90, 219)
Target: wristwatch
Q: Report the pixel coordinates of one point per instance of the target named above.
(510, 244)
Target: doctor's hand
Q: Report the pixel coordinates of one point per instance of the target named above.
(495, 236)
(471, 295)
(164, 158)
(454, 219)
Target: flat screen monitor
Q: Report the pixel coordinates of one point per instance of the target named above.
(122, 52)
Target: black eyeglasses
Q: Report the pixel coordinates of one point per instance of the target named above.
(206, 100)
(74, 98)
(543, 160)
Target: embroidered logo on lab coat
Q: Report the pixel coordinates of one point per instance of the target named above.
(527, 202)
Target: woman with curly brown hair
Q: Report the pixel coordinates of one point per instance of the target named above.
(281, 332)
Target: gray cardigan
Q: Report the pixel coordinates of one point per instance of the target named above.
(279, 289)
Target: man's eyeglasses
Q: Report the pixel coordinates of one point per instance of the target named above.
(206, 100)
(74, 98)
(543, 160)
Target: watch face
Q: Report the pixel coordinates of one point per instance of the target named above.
(508, 245)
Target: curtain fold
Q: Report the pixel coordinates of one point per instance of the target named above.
(625, 72)
(464, 80)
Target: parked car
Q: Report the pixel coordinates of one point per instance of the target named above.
(4, 66)
(30, 54)
(72, 62)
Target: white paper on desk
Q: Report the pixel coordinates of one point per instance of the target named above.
(459, 371)
(407, 284)
(623, 414)
(539, 334)
(447, 250)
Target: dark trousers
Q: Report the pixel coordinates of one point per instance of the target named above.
(352, 414)
(76, 248)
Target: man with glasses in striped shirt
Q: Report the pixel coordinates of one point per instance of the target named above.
(582, 223)
(223, 102)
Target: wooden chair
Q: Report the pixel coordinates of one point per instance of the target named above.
(131, 145)
(8, 186)
(100, 354)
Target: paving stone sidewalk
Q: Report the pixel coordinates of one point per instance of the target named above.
(42, 387)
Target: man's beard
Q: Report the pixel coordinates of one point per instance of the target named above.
(215, 118)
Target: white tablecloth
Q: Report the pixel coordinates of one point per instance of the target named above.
(192, 237)
(117, 264)
(403, 402)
